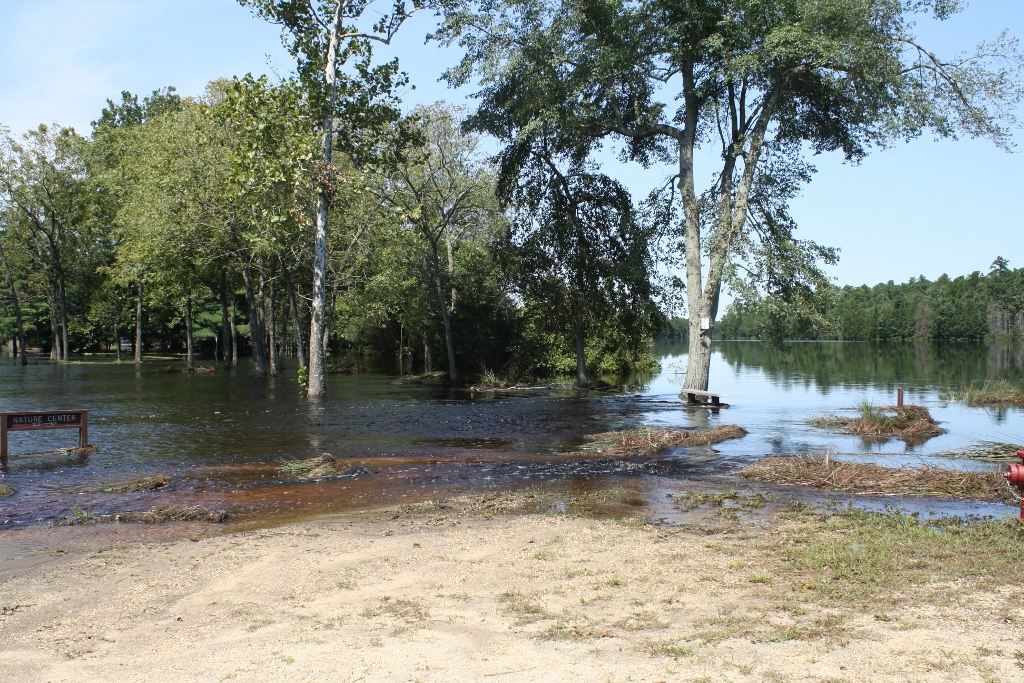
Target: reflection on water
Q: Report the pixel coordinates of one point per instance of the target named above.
(221, 437)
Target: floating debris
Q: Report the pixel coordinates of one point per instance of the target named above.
(995, 451)
(340, 369)
(322, 466)
(826, 473)
(167, 513)
(135, 485)
(636, 443)
(6, 492)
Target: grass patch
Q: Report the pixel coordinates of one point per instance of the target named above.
(1002, 392)
(322, 466)
(867, 556)
(856, 477)
(646, 441)
(409, 611)
(523, 609)
(669, 648)
(908, 422)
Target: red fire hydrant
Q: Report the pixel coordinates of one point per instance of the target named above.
(1015, 477)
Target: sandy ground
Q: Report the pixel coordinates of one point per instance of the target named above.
(445, 597)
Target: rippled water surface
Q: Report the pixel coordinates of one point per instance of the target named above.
(221, 437)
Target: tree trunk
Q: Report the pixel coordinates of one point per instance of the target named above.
(257, 331)
(300, 343)
(317, 369)
(272, 323)
(234, 332)
(65, 344)
(581, 353)
(138, 326)
(225, 325)
(452, 374)
(329, 319)
(428, 362)
(17, 308)
(190, 355)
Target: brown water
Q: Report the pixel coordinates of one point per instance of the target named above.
(222, 437)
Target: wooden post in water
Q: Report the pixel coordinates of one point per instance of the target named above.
(899, 398)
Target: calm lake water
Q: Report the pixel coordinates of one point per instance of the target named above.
(222, 436)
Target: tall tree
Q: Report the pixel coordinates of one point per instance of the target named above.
(324, 36)
(755, 79)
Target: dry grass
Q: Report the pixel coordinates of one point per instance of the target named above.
(855, 477)
(637, 443)
(986, 450)
(907, 422)
(325, 465)
(145, 484)
(1002, 392)
(168, 513)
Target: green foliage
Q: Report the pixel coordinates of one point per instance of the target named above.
(973, 307)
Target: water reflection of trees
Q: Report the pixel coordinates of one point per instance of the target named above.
(883, 364)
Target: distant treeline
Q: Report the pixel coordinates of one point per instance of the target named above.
(974, 307)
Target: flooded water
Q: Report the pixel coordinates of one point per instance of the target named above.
(221, 437)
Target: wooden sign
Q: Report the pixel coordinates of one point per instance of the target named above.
(47, 419)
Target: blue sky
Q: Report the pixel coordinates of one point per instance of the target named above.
(923, 208)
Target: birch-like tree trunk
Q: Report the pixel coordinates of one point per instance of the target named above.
(272, 325)
(138, 325)
(746, 142)
(225, 325)
(582, 381)
(317, 368)
(233, 320)
(190, 354)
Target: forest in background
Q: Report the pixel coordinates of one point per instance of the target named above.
(974, 307)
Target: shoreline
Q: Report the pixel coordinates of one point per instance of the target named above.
(513, 586)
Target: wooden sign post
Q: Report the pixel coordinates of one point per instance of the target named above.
(47, 419)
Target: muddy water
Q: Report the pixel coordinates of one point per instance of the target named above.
(221, 437)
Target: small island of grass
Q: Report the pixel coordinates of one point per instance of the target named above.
(908, 422)
(998, 393)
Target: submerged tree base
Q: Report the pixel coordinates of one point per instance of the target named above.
(636, 443)
(825, 473)
(907, 422)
